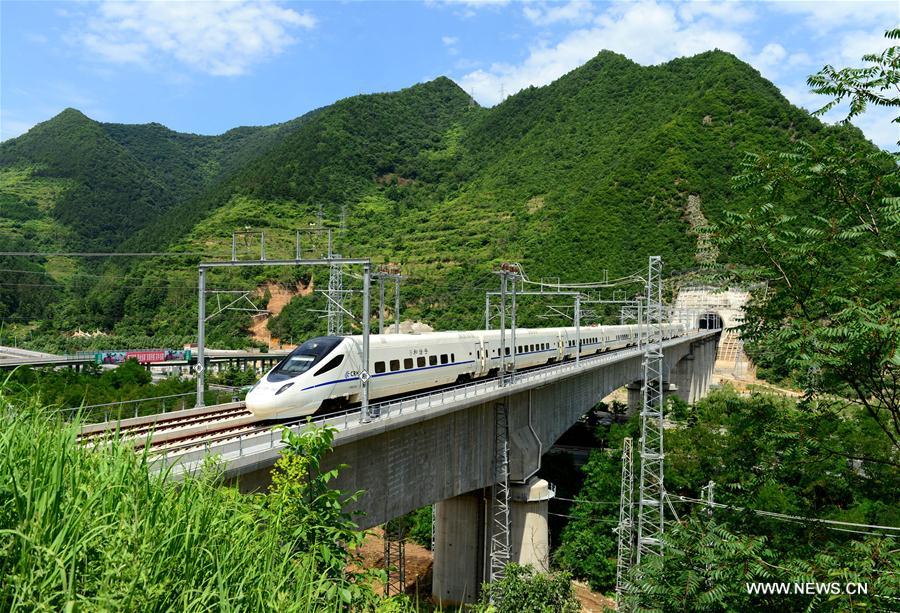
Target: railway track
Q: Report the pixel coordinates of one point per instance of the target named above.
(160, 429)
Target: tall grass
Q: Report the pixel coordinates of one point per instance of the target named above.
(96, 530)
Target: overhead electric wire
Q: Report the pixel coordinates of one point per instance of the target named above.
(629, 280)
(152, 254)
(826, 523)
(585, 501)
(95, 286)
(598, 520)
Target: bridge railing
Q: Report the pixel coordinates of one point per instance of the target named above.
(122, 409)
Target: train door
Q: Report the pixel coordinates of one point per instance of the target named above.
(482, 365)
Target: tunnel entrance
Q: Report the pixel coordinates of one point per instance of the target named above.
(709, 321)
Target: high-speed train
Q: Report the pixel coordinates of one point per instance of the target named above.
(324, 372)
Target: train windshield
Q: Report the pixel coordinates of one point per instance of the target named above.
(304, 357)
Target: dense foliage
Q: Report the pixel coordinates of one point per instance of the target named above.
(523, 589)
(101, 529)
(311, 514)
(820, 237)
(829, 316)
(65, 389)
(763, 453)
(591, 172)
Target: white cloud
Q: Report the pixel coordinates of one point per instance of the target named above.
(469, 8)
(544, 13)
(470, 3)
(771, 55)
(218, 38)
(770, 60)
(801, 58)
(823, 17)
(877, 124)
(449, 40)
(854, 44)
(728, 12)
(648, 33)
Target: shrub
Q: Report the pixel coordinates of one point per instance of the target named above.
(101, 529)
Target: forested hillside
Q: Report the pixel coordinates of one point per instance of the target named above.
(591, 172)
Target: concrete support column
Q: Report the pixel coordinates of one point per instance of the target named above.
(703, 370)
(696, 386)
(682, 376)
(529, 535)
(459, 545)
(462, 544)
(711, 347)
(708, 365)
(635, 397)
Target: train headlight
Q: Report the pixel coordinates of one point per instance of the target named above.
(284, 387)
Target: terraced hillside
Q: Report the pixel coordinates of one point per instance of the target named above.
(594, 171)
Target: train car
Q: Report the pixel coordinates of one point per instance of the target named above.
(323, 372)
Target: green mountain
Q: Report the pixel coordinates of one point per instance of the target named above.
(594, 171)
(121, 178)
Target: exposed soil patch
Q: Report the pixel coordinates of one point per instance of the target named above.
(418, 564)
(389, 178)
(281, 295)
(592, 602)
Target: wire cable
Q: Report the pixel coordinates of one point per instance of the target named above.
(601, 502)
(827, 523)
(598, 520)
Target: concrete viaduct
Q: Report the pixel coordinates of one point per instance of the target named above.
(440, 449)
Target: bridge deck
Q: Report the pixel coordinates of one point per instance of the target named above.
(259, 449)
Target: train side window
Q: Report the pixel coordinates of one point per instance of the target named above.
(407, 363)
(420, 361)
(443, 358)
(452, 357)
(507, 351)
(331, 365)
(432, 360)
(379, 367)
(395, 365)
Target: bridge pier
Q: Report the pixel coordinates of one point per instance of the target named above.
(636, 394)
(693, 373)
(459, 547)
(689, 379)
(462, 538)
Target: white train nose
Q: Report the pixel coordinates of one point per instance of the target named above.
(262, 401)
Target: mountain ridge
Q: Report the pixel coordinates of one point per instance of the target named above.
(589, 173)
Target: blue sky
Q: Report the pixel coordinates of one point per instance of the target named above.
(206, 67)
